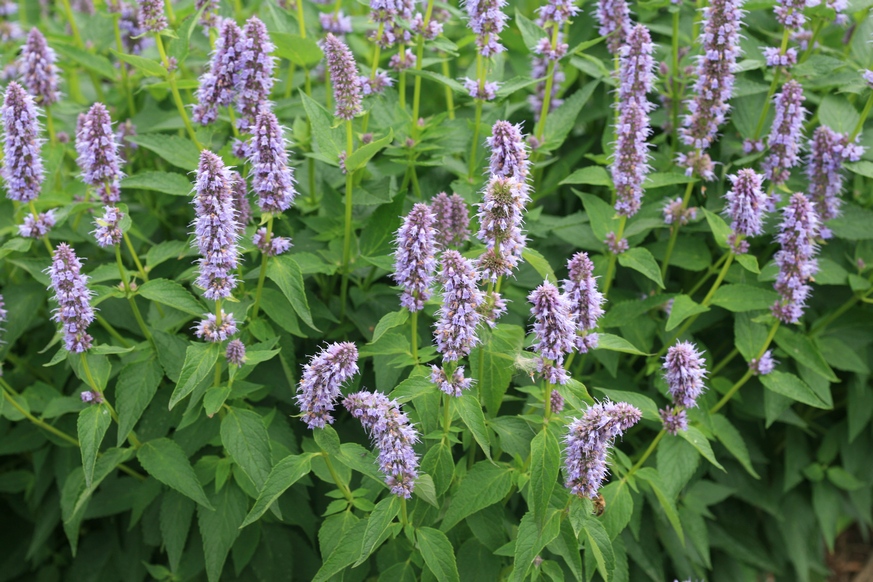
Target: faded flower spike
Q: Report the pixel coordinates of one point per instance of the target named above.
(508, 152)
(500, 222)
(452, 220)
(343, 76)
(795, 258)
(37, 226)
(108, 231)
(786, 134)
(255, 78)
(70, 287)
(218, 85)
(414, 261)
(615, 22)
(763, 365)
(272, 177)
(22, 165)
(453, 386)
(459, 316)
(586, 446)
(392, 434)
(97, 146)
(586, 301)
(674, 419)
(684, 371)
(827, 152)
(151, 15)
(215, 331)
(486, 91)
(38, 70)
(276, 245)
(322, 380)
(240, 201)
(215, 227)
(675, 212)
(335, 22)
(235, 353)
(555, 331)
(487, 20)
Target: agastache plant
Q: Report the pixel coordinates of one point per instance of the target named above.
(684, 371)
(615, 22)
(500, 221)
(487, 20)
(151, 15)
(509, 155)
(828, 150)
(322, 380)
(452, 220)
(255, 72)
(272, 177)
(746, 207)
(70, 287)
(218, 85)
(586, 301)
(344, 77)
(786, 134)
(38, 70)
(99, 160)
(414, 262)
(555, 331)
(108, 227)
(22, 165)
(795, 258)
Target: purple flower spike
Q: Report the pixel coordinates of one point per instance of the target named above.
(240, 201)
(108, 231)
(272, 177)
(684, 371)
(776, 58)
(215, 227)
(322, 381)
(211, 330)
(335, 22)
(487, 20)
(485, 92)
(414, 262)
(97, 146)
(786, 133)
(715, 73)
(795, 258)
(746, 202)
(615, 245)
(789, 13)
(674, 419)
(209, 18)
(500, 222)
(344, 76)
(827, 152)
(151, 15)
(459, 316)
(236, 353)
(453, 386)
(218, 85)
(128, 24)
(3, 312)
(508, 152)
(556, 402)
(587, 443)
(636, 68)
(556, 12)
(376, 85)
(22, 167)
(70, 287)
(763, 365)
(630, 164)
(555, 330)
(255, 80)
(615, 22)
(276, 246)
(453, 220)
(675, 213)
(392, 434)
(38, 70)
(586, 301)
(37, 226)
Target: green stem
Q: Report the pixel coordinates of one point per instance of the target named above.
(171, 15)
(404, 516)
(450, 97)
(547, 96)
(675, 85)
(111, 331)
(237, 10)
(819, 24)
(718, 281)
(772, 90)
(826, 321)
(336, 478)
(610, 268)
(447, 411)
(50, 125)
(473, 149)
(135, 258)
(401, 78)
(174, 88)
(709, 273)
(749, 373)
(864, 114)
(125, 80)
(644, 458)
(674, 232)
(77, 38)
(347, 234)
(127, 293)
(419, 54)
(45, 239)
(727, 359)
(262, 274)
(414, 325)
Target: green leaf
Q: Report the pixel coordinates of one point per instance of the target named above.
(601, 215)
(484, 485)
(94, 63)
(327, 440)
(137, 384)
(683, 308)
(853, 223)
(539, 263)
(327, 140)
(220, 528)
(164, 182)
(545, 460)
(838, 114)
(619, 508)
(646, 405)
(173, 294)
(531, 541)
(471, 413)
(720, 229)
(175, 520)
(164, 460)
(700, 442)
(345, 553)
(749, 263)
(614, 343)
(377, 526)
(494, 361)
(793, 387)
(590, 175)
(303, 52)
(245, 438)
(730, 437)
(92, 425)
(425, 489)
(363, 154)
(652, 477)
(562, 120)
(200, 358)
(661, 180)
(843, 479)
(642, 261)
(177, 150)
(286, 472)
(805, 352)
(285, 272)
(389, 321)
(740, 298)
(530, 32)
(148, 67)
(597, 542)
(438, 554)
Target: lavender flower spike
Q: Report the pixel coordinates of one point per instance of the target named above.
(414, 261)
(508, 152)
(344, 76)
(615, 22)
(236, 353)
(587, 443)
(38, 70)
(763, 365)
(789, 13)
(827, 152)
(272, 177)
(630, 164)
(797, 265)
(218, 84)
(453, 386)
(215, 227)
(786, 134)
(684, 371)
(715, 73)
(214, 330)
(557, 12)
(97, 146)
(240, 201)
(38, 225)
(151, 15)
(459, 316)
(322, 380)
(487, 20)
(500, 222)
(586, 301)
(108, 232)
(555, 331)
(453, 220)
(22, 167)
(746, 204)
(636, 67)
(255, 78)
(393, 435)
(70, 287)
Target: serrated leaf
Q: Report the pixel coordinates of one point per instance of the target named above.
(642, 261)
(94, 63)
(220, 528)
(597, 542)
(303, 52)
(92, 424)
(177, 150)
(683, 308)
(693, 435)
(471, 413)
(285, 272)
(286, 472)
(539, 263)
(176, 515)
(426, 490)
(646, 405)
(730, 437)
(805, 352)
(200, 358)
(364, 153)
(590, 175)
(148, 67)
(545, 456)
(438, 554)
(173, 294)
(562, 120)
(652, 477)
(327, 140)
(793, 387)
(165, 460)
(531, 33)
(344, 554)
(389, 321)
(164, 182)
(614, 343)
(484, 485)
(245, 438)
(380, 519)
(531, 540)
(137, 384)
(740, 298)
(720, 229)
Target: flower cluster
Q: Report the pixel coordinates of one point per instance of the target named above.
(684, 371)
(452, 220)
(763, 365)
(38, 70)
(241, 207)
(97, 146)
(414, 261)
(827, 152)
(485, 91)
(255, 72)
(786, 133)
(392, 434)
(322, 381)
(615, 22)
(344, 77)
(218, 84)
(459, 316)
(586, 446)
(151, 15)
(235, 353)
(500, 222)
(453, 386)
(675, 212)
(795, 258)
(37, 225)
(272, 177)
(276, 245)
(555, 331)
(776, 58)
(132, 37)
(70, 287)
(108, 231)
(509, 156)
(22, 166)
(789, 13)
(335, 22)
(746, 202)
(487, 19)
(586, 301)
(214, 329)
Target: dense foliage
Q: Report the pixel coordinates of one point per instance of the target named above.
(399, 291)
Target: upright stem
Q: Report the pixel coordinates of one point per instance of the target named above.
(675, 85)
(770, 92)
(401, 78)
(414, 325)
(447, 413)
(450, 97)
(863, 119)
(135, 258)
(547, 95)
(819, 23)
(347, 235)
(45, 239)
(301, 23)
(644, 458)
(50, 125)
(741, 382)
(77, 38)
(171, 15)
(610, 268)
(136, 313)
(419, 54)
(125, 81)
(674, 232)
(719, 279)
(262, 274)
(336, 478)
(174, 88)
(473, 149)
